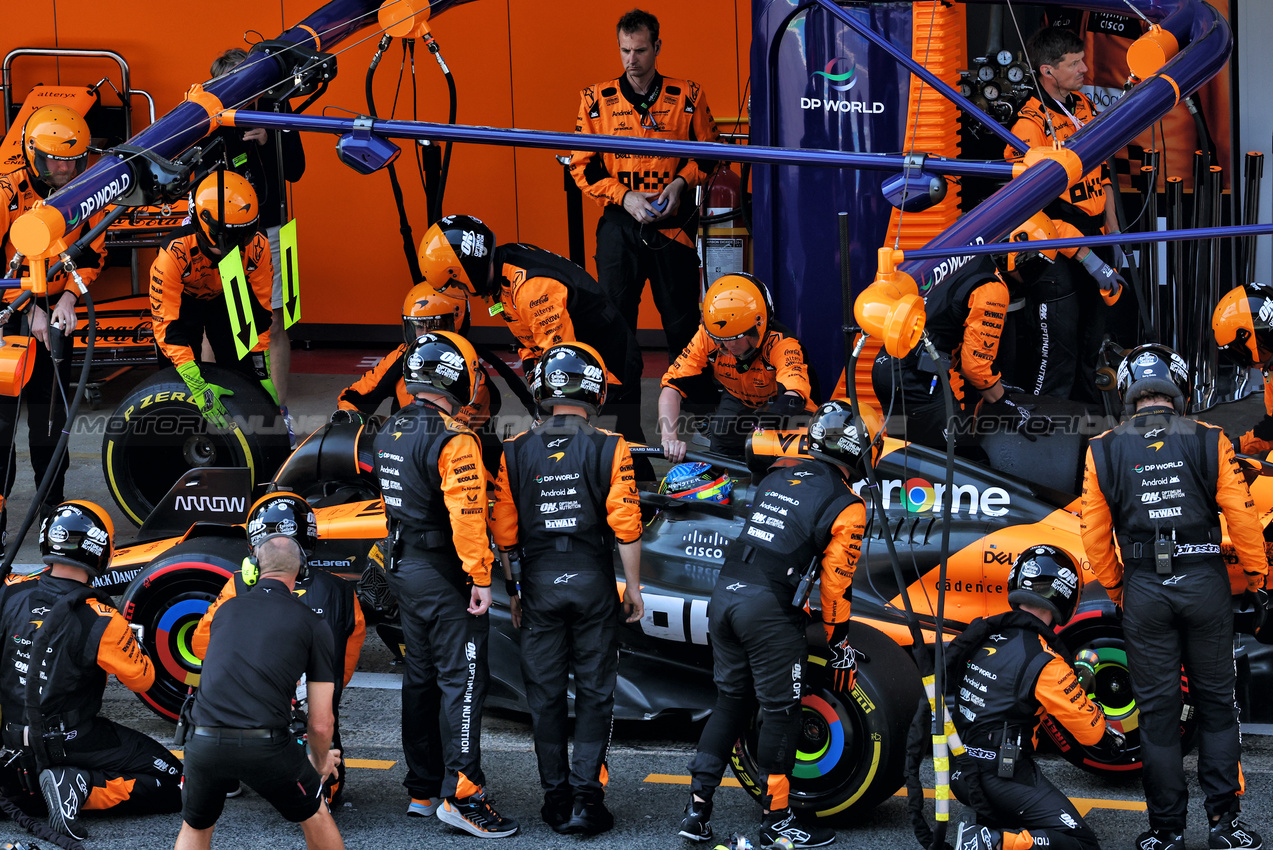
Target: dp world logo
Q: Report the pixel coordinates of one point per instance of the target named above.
(839, 74)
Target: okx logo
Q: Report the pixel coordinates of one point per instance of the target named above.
(846, 77)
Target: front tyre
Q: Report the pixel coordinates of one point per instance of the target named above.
(852, 746)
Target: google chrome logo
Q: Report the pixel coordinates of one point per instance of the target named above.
(920, 496)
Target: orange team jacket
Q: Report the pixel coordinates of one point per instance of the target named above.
(623, 506)
(1083, 204)
(203, 631)
(463, 485)
(839, 562)
(1248, 571)
(1059, 694)
(16, 198)
(679, 112)
(182, 269)
(1248, 443)
(780, 367)
(535, 309)
(384, 380)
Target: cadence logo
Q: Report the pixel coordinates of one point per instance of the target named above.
(919, 495)
(840, 76)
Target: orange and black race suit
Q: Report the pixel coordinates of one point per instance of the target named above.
(434, 485)
(1157, 484)
(780, 366)
(565, 493)
(801, 515)
(187, 301)
(1083, 204)
(965, 321)
(672, 109)
(88, 642)
(384, 381)
(1004, 673)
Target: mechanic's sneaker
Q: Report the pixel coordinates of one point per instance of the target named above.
(1160, 839)
(974, 837)
(1229, 833)
(476, 815)
(425, 808)
(697, 823)
(782, 823)
(236, 791)
(588, 818)
(556, 813)
(65, 791)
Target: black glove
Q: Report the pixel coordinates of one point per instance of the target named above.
(1263, 429)
(347, 417)
(1027, 424)
(843, 658)
(785, 405)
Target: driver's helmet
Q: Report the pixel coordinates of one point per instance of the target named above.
(697, 481)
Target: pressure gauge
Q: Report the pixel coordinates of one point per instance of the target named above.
(965, 89)
(985, 72)
(990, 91)
(1001, 111)
(1016, 73)
(1005, 57)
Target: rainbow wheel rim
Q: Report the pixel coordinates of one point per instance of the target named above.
(173, 640)
(821, 740)
(1113, 688)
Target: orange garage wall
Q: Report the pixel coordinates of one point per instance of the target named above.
(516, 63)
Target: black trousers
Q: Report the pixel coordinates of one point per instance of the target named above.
(732, 423)
(1048, 334)
(627, 255)
(277, 768)
(46, 395)
(129, 773)
(199, 316)
(570, 625)
(902, 389)
(1186, 619)
(444, 685)
(1027, 801)
(758, 655)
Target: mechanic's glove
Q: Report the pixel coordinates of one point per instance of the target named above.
(347, 417)
(1013, 415)
(1085, 668)
(528, 369)
(1110, 281)
(1263, 430)
(785, 405)
(1120, 256)
(207, 397)
(261, 366)
(1257, 600)
(843, 658)
(1114, 744)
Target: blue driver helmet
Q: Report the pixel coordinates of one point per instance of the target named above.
(697, 481)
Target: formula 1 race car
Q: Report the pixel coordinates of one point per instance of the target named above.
(852, 747)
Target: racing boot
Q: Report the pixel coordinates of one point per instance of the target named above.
(476, 815)
(65, 791)
(425, 808)
(1229, 833)
(1160, 839)
(556, 810)
(782, 823)
(697, 823)
(974, 837)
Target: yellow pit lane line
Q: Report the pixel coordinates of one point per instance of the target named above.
(370, 764)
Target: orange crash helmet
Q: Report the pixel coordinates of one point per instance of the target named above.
(226, 210)
(54, 134)
(458, 251)
(1241, 325)
(427, 309)
(736, 304)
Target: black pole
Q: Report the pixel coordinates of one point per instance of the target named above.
(1149, 250)
(1250, 211)
(574, 214)
(1176, 260)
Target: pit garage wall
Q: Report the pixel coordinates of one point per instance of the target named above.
(1254, 34)
(516, 63)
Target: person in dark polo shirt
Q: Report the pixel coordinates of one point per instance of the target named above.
(261, 644)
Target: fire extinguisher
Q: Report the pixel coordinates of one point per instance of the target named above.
(724, 240)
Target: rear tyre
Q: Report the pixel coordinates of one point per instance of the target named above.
(155, 435)
(852, 747)
(168, 598)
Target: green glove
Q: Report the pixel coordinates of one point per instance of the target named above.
(207, 397)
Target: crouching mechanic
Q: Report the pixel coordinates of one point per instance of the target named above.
(1174, 586)
(261, 643)
(434, 485)
(288, 515)
(1241, 324)
(805, 516)
(761, 368)
(565, 495)
(83, 762)
(186, 292)
(999, 695)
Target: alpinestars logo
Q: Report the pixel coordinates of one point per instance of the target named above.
(564, 578)
(738, 585)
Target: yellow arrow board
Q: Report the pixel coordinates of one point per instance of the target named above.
(238, 302)
(290, 275)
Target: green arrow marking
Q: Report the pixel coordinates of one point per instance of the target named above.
(290, 273)
(234, 283)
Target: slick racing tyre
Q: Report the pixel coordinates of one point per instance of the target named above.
(852, 748)
(156, 435)
(1102, 633)
(167, 599)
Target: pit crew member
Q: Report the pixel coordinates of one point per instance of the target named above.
(546, 300)
(1005, 671)
(1156, 484)
(55, 143)
(1243, 333)
(288, 515)
(82, 762)
(186, 299)
(261, 644)
(803, 515)
(551, 505)
(761, 368)
(649, 218)
(434, 488)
